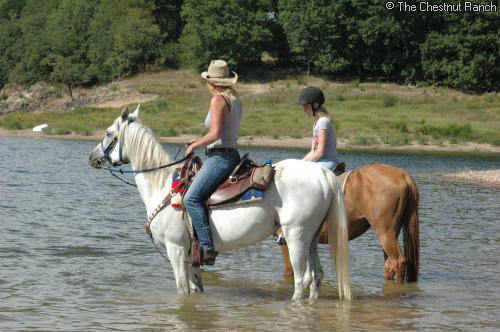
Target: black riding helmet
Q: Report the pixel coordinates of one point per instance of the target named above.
(311, 95)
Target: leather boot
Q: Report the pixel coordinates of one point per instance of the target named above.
(208, 257)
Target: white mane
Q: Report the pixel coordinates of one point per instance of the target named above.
(145, 152)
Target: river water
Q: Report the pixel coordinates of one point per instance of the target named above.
(74, 256)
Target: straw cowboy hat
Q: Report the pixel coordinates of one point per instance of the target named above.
(218, 74)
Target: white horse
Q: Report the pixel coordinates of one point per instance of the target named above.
(302, 196)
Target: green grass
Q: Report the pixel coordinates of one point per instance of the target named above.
(366, 113)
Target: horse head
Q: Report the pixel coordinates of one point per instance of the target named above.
(111, 150)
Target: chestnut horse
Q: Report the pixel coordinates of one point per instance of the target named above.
(384, 198)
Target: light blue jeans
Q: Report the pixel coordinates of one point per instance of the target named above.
(218, 165)
(330, 164)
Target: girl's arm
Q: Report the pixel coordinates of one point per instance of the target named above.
(317, 154)
(218, 109)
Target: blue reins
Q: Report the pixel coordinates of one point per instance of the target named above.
(112, 171)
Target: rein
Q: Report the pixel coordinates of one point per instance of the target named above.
(122, 171)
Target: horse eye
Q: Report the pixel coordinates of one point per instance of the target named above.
(108, 134)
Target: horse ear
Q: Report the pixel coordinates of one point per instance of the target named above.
(124, 114)
(136, 112)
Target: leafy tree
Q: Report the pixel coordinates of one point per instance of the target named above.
(167, 15)
(236, 31)
(68, 38)
(124, 38)
(10, 33)
(466, 55)
(321, 33)
(392, 39)
(33, 45)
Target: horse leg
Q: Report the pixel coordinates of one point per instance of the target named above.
(177, 256)
(317, 270)
(300, 261)
(396, 261)
(287, 266)
(388, 271)
(195, 281)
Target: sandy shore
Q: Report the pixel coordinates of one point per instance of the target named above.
(491, 177)
(301, 143)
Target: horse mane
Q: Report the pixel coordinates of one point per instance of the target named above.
(145, 152)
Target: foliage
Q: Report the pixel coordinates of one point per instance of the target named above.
(78, 42)
(466, 55)
(124, 38)
(235, 31)
(67, 34)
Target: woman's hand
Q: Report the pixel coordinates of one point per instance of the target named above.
(190, 147)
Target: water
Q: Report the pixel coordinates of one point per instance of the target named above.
(74, 256)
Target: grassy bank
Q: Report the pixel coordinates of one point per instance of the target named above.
(364, 113)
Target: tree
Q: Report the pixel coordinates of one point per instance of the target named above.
(235, 31)
(68, 38)
(10, 33)
(466, 55)
(32, 44)
(124, 38)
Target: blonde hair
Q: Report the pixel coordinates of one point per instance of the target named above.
(219, 89)
(323, 110)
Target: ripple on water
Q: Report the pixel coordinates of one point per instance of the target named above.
(75, 258)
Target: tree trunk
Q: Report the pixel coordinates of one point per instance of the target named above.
(70, 90)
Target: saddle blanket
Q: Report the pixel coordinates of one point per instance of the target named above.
(251, 195)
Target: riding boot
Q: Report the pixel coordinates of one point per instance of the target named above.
(208, 257)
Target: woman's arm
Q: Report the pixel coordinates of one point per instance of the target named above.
(218, 109)
(317, 154)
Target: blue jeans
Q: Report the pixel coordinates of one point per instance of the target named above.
(218, 165)
(330, 164)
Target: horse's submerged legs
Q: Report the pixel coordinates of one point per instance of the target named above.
(177, 256)
(195, 281)
(395, 262)
(316, 270)
(299, 257)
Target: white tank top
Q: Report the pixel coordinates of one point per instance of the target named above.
(230, 126)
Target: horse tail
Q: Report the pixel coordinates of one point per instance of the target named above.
(411, 231)
(338, 236)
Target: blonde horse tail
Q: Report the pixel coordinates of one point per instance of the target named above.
(338, 236)
(411, 231)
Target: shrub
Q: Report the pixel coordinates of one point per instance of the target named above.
(390, 100)
(364, 140)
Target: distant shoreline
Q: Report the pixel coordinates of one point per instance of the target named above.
(297, 143)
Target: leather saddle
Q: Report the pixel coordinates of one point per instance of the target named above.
(247, 174)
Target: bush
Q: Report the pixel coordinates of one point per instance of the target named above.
(400, 139)
(463, 132)
(160, 102)
(364, 140)
(390, 100)
(338, 96)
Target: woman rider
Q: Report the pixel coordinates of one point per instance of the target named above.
(223, 123)
(324, 142)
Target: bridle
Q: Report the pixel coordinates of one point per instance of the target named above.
(107, 156)
(109, 149)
